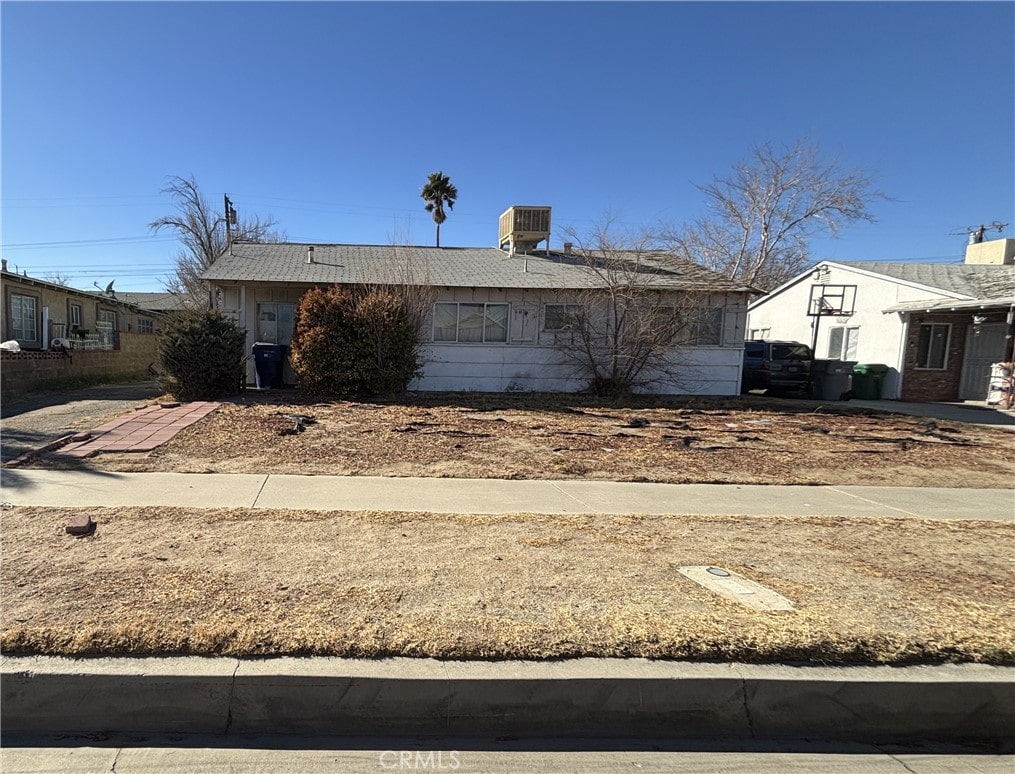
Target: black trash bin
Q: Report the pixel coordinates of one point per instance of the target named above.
(269, 361)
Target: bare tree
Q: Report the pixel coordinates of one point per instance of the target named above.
(201, 229)
(762, 217)
(627, 328)
(58, 278)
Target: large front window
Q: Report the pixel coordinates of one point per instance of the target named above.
(470, 323)
(24, 326)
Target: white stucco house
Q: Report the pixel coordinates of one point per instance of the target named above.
(938, 327)
(498, 313)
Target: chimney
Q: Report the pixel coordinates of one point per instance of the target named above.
(568, 246)
(996, 252)
(3, 261)
(310, 253)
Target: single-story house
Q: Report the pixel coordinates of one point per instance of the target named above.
(67, 335)
(37, 311)
(498, 314)
(938, 327)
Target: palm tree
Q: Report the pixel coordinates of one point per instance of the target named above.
(437, 192)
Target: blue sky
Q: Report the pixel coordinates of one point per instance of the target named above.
(329, 116)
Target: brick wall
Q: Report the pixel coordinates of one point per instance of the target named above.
(924, 385)
(24, 372)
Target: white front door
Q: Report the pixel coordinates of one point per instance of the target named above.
(985, 345)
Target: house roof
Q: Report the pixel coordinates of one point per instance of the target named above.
(118, 299)
(446, 266)
(974, 281)
(154, 302)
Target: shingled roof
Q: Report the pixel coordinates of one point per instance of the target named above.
(974, 281)
(444, 266)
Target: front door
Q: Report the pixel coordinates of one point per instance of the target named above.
(985, 345)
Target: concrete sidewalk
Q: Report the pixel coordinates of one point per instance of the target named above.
(89, 488)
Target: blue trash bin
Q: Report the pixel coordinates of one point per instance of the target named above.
(269, 360)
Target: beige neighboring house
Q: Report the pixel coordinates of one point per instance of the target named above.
(938, 327)
(499, 313)
(97, 335)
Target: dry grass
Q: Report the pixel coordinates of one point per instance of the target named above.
(238, 582)
(677, 440)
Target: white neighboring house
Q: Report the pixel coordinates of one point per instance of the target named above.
(498, 315)
(938, 327)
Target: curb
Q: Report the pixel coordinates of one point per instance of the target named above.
(30, 455)
(581, 697)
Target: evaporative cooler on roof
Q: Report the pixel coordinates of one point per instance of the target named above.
(522, 228)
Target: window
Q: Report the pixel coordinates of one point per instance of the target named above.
(75, 315)
(703, 326)
(145, 325)
(470, 323)
(842, 342)
(759, 333)
(105, 326)
(932, 345)
(560, 317)
(23, 317)
(276, 323)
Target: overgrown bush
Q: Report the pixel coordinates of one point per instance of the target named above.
(354, 344)
(201, 355)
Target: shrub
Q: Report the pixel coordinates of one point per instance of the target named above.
(345, 344)
(201, 355)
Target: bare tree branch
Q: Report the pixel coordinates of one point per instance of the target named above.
(763, 216)
(201, 231)
(626, 331)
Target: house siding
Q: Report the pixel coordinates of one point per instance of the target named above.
(530, 360)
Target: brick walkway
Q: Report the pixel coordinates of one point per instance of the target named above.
(138, 432)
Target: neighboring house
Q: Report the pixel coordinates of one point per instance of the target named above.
(498, 315)
(155, 302)
(938, 327)
(102, 336)
(38, 311)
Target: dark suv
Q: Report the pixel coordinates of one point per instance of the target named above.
(777, 366)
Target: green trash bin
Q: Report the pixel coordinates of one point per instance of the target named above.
(868, 379)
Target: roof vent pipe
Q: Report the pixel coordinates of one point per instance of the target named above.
(310, 253)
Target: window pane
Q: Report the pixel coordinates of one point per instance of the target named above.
(553, 317)
(931, 346)
(852, 337)
(445, 325)
(470, 322)
(835, 343)
(23, 318)
(496, 322)
(939, 339)
(710, 329)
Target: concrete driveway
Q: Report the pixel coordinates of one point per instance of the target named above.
(36, 420)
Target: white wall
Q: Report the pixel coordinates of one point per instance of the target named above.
(881, 336)
(530, 361)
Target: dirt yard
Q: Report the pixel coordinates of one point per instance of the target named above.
(689, 440)
(380, 584)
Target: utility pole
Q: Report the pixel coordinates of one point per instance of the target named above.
(230, 218)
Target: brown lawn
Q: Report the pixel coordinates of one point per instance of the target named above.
(677, 440)
(163, 580)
